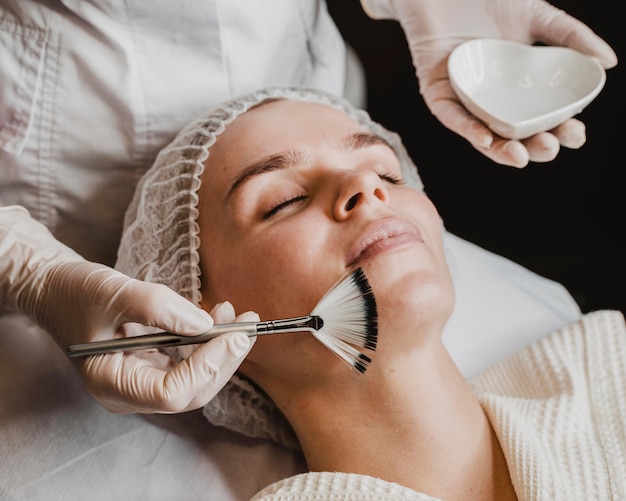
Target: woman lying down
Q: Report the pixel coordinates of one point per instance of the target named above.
(268, 201)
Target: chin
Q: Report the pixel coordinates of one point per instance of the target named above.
(406, 299)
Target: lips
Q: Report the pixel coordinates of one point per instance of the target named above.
(383, 235)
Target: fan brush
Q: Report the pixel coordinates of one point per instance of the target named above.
(344, 320)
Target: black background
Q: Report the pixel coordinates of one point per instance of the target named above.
(562, 219)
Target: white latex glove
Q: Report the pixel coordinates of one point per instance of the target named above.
(435, 27)
(77, 301)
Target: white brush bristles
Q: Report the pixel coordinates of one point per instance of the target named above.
(350, 318)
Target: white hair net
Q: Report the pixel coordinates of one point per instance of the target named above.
(161, 236)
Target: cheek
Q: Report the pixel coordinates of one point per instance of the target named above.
(417, 287)
(428, 209)
(264, 272)
(420, 209)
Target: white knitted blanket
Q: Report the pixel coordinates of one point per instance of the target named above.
(558, 408)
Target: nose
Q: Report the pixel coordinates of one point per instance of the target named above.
(359, 189)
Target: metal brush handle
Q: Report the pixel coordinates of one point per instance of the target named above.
(309, 323)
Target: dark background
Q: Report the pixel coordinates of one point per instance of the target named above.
(563, 219)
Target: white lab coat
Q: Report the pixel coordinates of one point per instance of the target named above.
(91, 90)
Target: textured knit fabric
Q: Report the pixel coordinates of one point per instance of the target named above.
(327, 486)
(558, 408)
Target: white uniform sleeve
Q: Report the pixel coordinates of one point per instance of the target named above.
(26, 249)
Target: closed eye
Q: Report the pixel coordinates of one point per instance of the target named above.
(283, 205)
(391, 179)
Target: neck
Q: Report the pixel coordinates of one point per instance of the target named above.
(417, 424)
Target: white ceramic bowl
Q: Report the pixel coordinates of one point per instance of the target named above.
(519, 90)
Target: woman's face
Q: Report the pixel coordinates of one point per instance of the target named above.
(295, 195)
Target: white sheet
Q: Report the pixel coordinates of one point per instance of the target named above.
(58, 443)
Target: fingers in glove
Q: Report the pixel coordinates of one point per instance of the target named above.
(235, 347)
(223, 313)
(147, 381)
(197, 379)
(542, 147)
(446, 107)
(138, 382)
(553, 26)
(458, 119)
(159, 306)
(507, 152)
(571, 134)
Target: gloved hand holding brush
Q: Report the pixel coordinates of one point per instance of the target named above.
(78, 301)
(434, 28)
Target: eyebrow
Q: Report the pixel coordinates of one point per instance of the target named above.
(279, 161)
(360, 140)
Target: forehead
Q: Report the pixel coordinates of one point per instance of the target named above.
(273, 127)
(284, 121)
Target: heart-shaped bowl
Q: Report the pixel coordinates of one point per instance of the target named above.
(519, 90)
